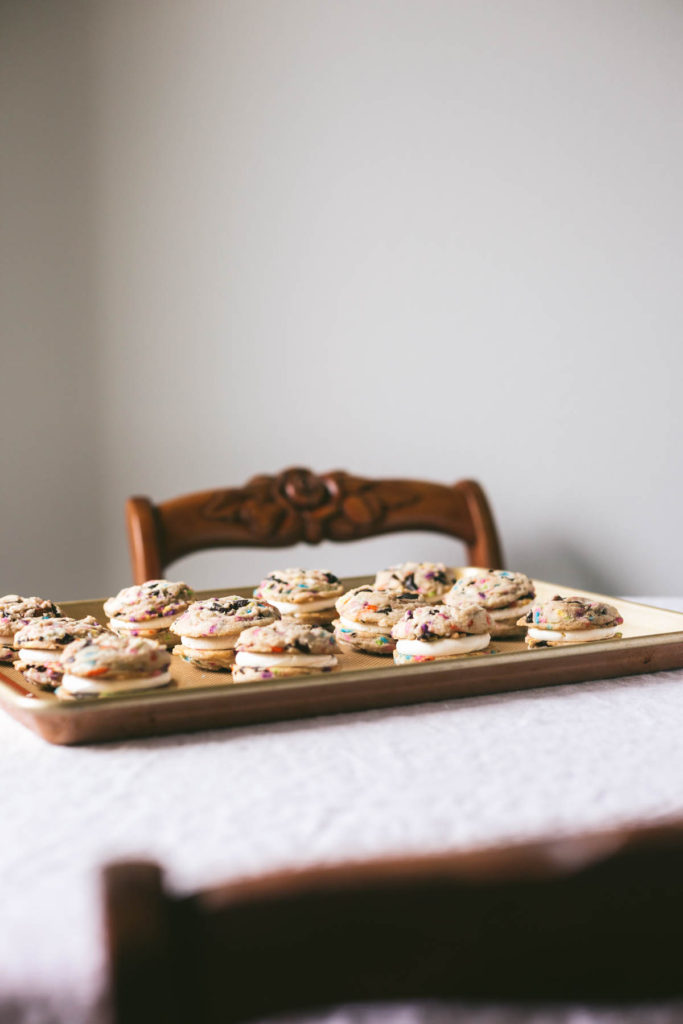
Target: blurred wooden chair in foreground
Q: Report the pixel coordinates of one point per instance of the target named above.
(298, 505)
(597, 919)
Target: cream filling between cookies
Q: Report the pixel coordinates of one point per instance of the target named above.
(161, 623)
(292, 607)
(36, 656)
(249, 658)
(77, 684)
(361, 627)
(463, 644)
(512, 611)
(209, 643)
(572, 636)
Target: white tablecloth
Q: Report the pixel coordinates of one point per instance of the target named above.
(221, 804)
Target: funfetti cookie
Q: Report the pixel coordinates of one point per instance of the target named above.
(431, 580)
(505, 596)
(42, 642)
(109, 665)
(306, 595)
(438, 632)
(283, 649)
(209, 629)
(570, 620)
(147, 610)
(367, 615)
(16, 612)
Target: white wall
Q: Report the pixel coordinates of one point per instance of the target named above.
(405, 238)
(51, 473)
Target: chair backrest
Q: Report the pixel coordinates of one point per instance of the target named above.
(597, 919)
(298, 505)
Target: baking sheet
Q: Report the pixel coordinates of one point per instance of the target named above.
(651, 639)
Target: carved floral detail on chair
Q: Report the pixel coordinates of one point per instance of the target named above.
(300, 505)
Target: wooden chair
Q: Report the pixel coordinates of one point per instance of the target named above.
(597, 919)
(298, 505)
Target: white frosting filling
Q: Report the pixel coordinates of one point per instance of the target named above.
(77, 684)
(511, 612)
(442, 648)
(359, 627)
(34, 656)
(162, 623)
(292, 607)
(573, 636)
(285, 660)
(209, 643)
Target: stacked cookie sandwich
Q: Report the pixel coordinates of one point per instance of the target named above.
(148, 610)
(570, 620)
(209, 630)
(438, 632)
(305, 595)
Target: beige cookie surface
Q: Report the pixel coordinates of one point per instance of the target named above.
(493, 589)
(109, 656)
(572, 613)
(299, 586)
(362, 640)
(429, 579)
(223, 616)
(421, 659)
(151, 600)
(56, 633)
(45, 677)
(208, 661)
(369, 606)
(17, 611)
(161, 636)
(254, 674)
(287, 636)
(434, 622)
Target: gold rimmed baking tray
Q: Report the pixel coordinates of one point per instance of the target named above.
(651, 640)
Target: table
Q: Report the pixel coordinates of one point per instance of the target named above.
(216, 805)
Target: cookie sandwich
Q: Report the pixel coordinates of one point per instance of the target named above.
(438, 632)
(432, 580)
(367, 617)
(15, 613)
(306, 595)
(148, 610)
(107, 665)
(209, 629)
(42, 642)
(504, 595)
(570, 620)
(282, 650)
